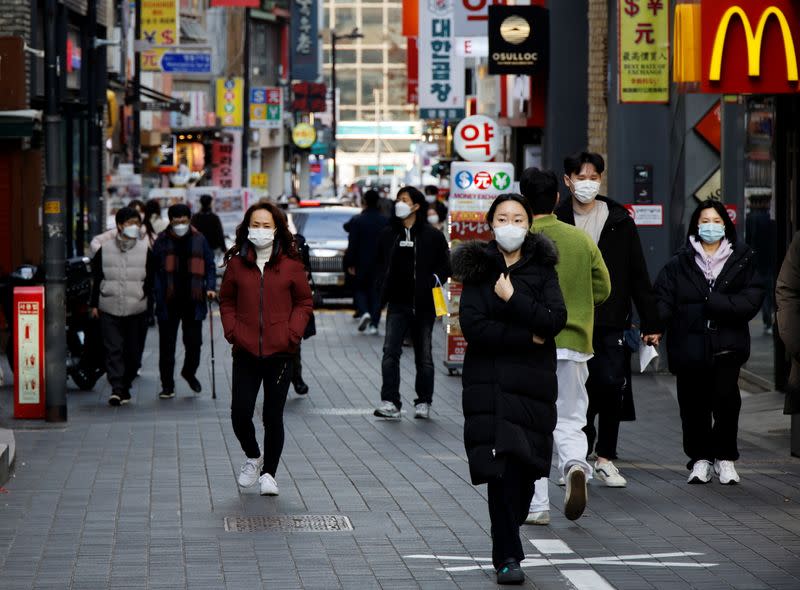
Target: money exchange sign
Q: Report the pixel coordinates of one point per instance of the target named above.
(644, 51)
(160, 26)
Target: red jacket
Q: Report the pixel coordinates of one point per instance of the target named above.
(265, 314)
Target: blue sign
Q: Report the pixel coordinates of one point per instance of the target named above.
(186, 63)
(463, 180)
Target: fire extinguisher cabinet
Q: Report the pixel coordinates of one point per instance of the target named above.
(29, 352)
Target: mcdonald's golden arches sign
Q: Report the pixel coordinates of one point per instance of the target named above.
(750, 46)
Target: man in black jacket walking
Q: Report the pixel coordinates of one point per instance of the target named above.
(614, 231)
(411, 255)
(208, 223)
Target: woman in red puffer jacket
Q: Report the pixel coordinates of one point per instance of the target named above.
(265, 303)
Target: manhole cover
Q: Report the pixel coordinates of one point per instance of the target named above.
(314, 523)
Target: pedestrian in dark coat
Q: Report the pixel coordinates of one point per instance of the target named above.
(707, 293)
(362, 245)
(614, 231)
(208, 223)
(300, 386)
(185, 278)
(266, 303)
(787, 302)
(511, 310)
(411, 256)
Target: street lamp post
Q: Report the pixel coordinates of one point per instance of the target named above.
(354, 34)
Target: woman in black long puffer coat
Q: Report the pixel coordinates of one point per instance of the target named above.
(511, 310)
(707, 294)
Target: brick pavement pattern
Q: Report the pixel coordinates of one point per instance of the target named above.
(136, 496)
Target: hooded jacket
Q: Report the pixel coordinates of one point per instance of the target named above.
(704, 321)
(622, 252)
(509, 383)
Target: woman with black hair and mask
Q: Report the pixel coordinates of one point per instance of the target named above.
(411, 256)
(511, 310)
(265, 303)
(707, 294)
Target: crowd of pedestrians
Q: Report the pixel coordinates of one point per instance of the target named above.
(546, 308)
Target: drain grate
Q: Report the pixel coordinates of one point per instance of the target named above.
(301, 523)
(342, 411)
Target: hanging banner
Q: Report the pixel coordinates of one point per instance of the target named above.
(473, 188)
(230, 93)
(518, 39)
(305, 40)
(441, 71)
(412, 71)
(643, 51)
(160, 26)
(410, 18)
(265, 107)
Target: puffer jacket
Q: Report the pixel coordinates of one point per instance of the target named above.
(509, 383)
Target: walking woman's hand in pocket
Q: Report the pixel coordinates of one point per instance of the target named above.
(538, 339)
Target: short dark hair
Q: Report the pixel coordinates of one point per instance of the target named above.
(371, 198)
(694, 222)
(431, 189)
(573, 164)
(509, 197)
(540, 188)
(136, 204)
(205, 201)
(179, 210)
(125, 214)
(152, 207)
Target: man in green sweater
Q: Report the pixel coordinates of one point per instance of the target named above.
(585, 283)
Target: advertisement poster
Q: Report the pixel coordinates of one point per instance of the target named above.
(473, 187)
(230, 99)
(644, 51)
(160, 26)
(441, 71)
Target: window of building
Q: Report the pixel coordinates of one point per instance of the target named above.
(372, 56)
(372, 25)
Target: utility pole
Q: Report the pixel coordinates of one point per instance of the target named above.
(136, 140)
(334, 37)
(53, 226)
(246, 101)
(93, 205)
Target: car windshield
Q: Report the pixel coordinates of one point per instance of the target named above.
(320, 227)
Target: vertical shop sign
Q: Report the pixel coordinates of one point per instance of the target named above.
(441, 71)
(643, 51)
(305, 42)
(229, 101)
(222, 162)
(160, 26)
(412, 71)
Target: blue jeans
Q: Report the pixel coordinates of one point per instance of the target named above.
(400, 320)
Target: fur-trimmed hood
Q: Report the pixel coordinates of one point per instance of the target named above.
(476, 261)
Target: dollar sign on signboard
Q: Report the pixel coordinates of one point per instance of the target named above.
(632, 8)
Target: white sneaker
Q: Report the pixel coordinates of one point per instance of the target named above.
(541, 518)
(269, 487)
(726, 471)
(422, 411)
(575, 499)
(608, 473)
(701, 472)
(372, 331)
(363, 322)
(248, 472)
(387, 409)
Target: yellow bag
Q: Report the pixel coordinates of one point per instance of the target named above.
(439, 299)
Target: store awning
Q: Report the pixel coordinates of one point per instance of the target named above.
(19, 124)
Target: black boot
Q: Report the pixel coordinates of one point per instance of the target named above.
(510, 573)
(300, 386)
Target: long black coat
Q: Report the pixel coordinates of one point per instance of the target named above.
(704, 321)
(622, 252)
(364, 230)
(510, 385)
(787, 304)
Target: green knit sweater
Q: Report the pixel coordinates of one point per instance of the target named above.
(583, 277)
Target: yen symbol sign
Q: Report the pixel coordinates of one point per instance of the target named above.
(501, 181)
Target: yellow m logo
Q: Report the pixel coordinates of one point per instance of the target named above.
(754, 42)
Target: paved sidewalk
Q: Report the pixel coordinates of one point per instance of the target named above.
(138, 496)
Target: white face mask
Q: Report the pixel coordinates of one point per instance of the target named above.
(585, 190)
(430, 198)
(433, 219)
(131, 231)
(261, 237)
(181, 229)
(402, 209)
(510, 237)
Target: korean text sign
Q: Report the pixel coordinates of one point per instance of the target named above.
(230, 100)
(29, 387)
(160, 26)
(305, 40)
(441, 71)
(644, 51)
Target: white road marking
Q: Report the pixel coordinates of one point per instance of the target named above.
(551, 546)
(586, 580)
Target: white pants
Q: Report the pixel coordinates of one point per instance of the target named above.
(568, 437)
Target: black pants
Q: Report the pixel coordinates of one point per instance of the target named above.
(710, 402)
(509, 499)
(192, 342)
(367, 298)
(249, 373)
(123, 343)
(400, 319)
(605, 386)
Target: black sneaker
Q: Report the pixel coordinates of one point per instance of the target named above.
(300, 387)
(115, 399)
(167, 393)
(510, 573)
(125, 397)
(194, 384)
